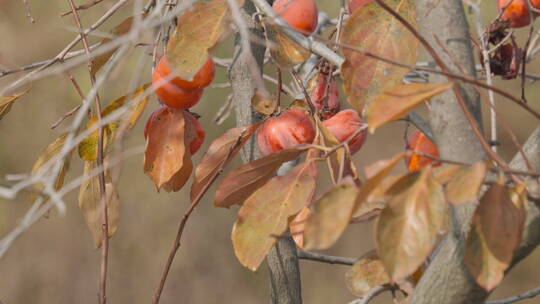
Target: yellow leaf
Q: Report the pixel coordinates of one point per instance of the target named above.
(7, 101)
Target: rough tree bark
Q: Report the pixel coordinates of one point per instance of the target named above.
(285, 284)
(447, 280)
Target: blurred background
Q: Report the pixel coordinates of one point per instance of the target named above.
(55, 260)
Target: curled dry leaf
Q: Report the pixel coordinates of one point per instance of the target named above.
(401, 99)
(198, 30)
(47, 154)
(374, 30)
(496, 231)
(89, 146)
(264, 105)
(331, 215)
(166, 160)
(91, 204)
(265, 214)
(298, 225)
(366, 274)
(406, 231)
(465, 183)
(219, 154)
(7, 101)
(240, 183)
(284, 50)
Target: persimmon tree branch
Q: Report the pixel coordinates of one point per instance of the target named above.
(329, 259)
(526, 295)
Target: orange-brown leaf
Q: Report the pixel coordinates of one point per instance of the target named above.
(216, 158)
(265, 214)
(331, 215)
(407, 228)
(240, 183)
(496, 231)
(366, 274)
(465, 183)
(284, 50)
(165, 160)
(398, 101)
(7, 101)
(298, 225)
(374, 30)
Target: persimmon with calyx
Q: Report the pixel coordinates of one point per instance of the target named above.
(355, 4)
(302, 15)
(517, 13)
(172, 95)
(325, 95)
(419, 142)
(202, 79)
(196, 136)
(290, 128)
(345, 124)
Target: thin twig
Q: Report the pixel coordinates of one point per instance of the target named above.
(526, 295)
(82, 7)
(329, 259)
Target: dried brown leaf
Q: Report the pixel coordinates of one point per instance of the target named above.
(7, 101)
(366, 274)
(465, 183)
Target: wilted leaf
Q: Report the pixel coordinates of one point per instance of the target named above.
(284, 50)
(166, 160)
(264, 105)
(240, 183)
(375, 174)
(47, 154)
(331, 215)
(88, 148)
(92, 206)
(264, 216)
(496, 231)
(376, 200)
(465, 183)
(407, 228)
(215, 157)
(298, 225)
(198, 30)
(374, 30)
(395, 103)
(118, 30)
(7, 101)
(365, 274)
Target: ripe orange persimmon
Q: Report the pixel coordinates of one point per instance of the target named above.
(197, 138)
(343, 125)
(172, 95)
(325, 95)
(517, 13)
(291, 128)
(301, 15)
(202, 79)
(419, 142)
(355, 4)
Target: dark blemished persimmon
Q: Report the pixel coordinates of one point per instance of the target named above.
(325, 96)
(419, 142)
(355, 4)
(172, 95)
(202, 79)
(517, 13)
(197, 138)
(291, 128)
(343, 125)
(301, 15)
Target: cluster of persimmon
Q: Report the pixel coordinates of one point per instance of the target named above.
(517, 13)
(177, 93)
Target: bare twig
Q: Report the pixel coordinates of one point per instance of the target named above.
(82, 7)
(526, 295)
(329, 259)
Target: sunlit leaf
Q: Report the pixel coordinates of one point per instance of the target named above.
(331, 215)
(198, 30)
(407, 228)
(216, 155)
(166, 160)
(366, 274)
(240, 183)
(264, 216)
(465, 183)
(92, 206)
(398, 101)
(377, 198)
(497, 226)
(7, 101)
(374, 30)
(298, 225)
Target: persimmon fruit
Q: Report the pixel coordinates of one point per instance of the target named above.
(419, 142)
(202, 79)
(301, 15)
(517, 13)
(172, 95)
(325, 95)
(345, 124)
(290, 128)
